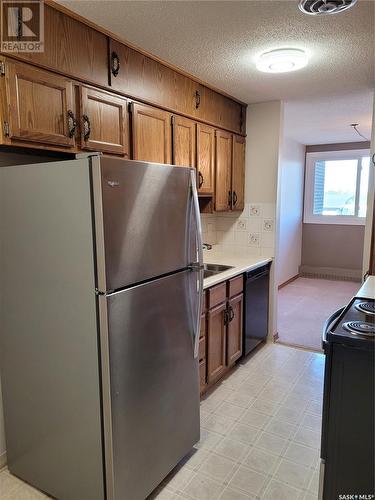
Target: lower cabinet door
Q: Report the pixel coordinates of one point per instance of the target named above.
(235, 329)
(104, 122)
(202, 376)
(216, 345)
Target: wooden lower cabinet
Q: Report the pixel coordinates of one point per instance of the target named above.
(216, 345)
(235, 329)
(152, 135)
(104, 122)
(224, 326)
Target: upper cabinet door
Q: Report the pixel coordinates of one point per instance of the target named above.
(104, 122)
(40, 106)
(238, 173)
(71, 47)
(141, 77)
(151, 134)
(184, 141)
(205, 159)
(223, 193)
(219, 110)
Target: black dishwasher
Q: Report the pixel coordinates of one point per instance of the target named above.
(256, 307)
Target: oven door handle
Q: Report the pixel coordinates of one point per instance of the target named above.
(328, 323)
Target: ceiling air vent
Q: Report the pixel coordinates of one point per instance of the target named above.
(322, 7)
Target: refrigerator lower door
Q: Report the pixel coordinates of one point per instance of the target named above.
(154, 382)
(146, 220)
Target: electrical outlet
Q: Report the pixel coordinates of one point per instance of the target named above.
(255, 211)
(254, 239)
(268, 225)
(241, 225)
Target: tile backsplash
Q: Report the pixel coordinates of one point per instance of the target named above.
(251, 232)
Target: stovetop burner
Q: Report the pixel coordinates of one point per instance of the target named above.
(360, 328)
(366, 307)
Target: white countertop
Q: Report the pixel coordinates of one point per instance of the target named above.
(367, 290)
(240, 265)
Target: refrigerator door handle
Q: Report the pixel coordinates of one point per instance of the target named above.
(197, 266)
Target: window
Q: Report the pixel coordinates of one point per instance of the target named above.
(336, 187)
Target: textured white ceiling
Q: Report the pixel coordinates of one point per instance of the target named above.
(327, 120)
(218, 42)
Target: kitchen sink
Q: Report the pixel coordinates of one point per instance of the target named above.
(216, 268)
(212, 269)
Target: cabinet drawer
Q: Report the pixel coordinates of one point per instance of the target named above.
(216, 295)
(202, 349)
(203, 329)
(202, 374)
(235, 286)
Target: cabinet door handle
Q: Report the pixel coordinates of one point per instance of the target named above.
(231, 313)
(72, 123)
(115, 64)
(197, 99)
(226, 317)
(229, 198)
(201, 179)
(86, 127)
(234, 198)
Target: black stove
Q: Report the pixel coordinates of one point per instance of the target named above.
(360, 328)
(348, 437)
(356, 324)
(368, 307)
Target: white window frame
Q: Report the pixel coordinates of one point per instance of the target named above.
(308, 213)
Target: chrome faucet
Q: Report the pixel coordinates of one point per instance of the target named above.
(206, 246)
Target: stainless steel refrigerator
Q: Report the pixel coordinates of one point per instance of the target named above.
(101, 289)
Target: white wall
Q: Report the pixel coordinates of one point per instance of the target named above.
(370, 203)
(291, 179)
(234, 233)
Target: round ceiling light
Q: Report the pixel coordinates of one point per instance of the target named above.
(282, 60)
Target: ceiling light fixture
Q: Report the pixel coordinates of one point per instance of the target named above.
(282, 60)
(324, 7)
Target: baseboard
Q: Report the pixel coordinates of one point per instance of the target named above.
(288, 281)
(3, 460)
(331, 273)
(302, 347)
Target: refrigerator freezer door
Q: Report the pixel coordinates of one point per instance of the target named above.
(146, 220)
(153, 381)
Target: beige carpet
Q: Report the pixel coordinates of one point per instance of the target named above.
(305, 304)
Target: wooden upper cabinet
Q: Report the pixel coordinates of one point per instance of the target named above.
(220, 110)
(205, 159)
(151, 134)
(223, 193)
(141, 77)
(238, 173)
(72, 48)
(216, 342)
(234, 336)
(184, 141)
(104, 122)
(40, 106)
